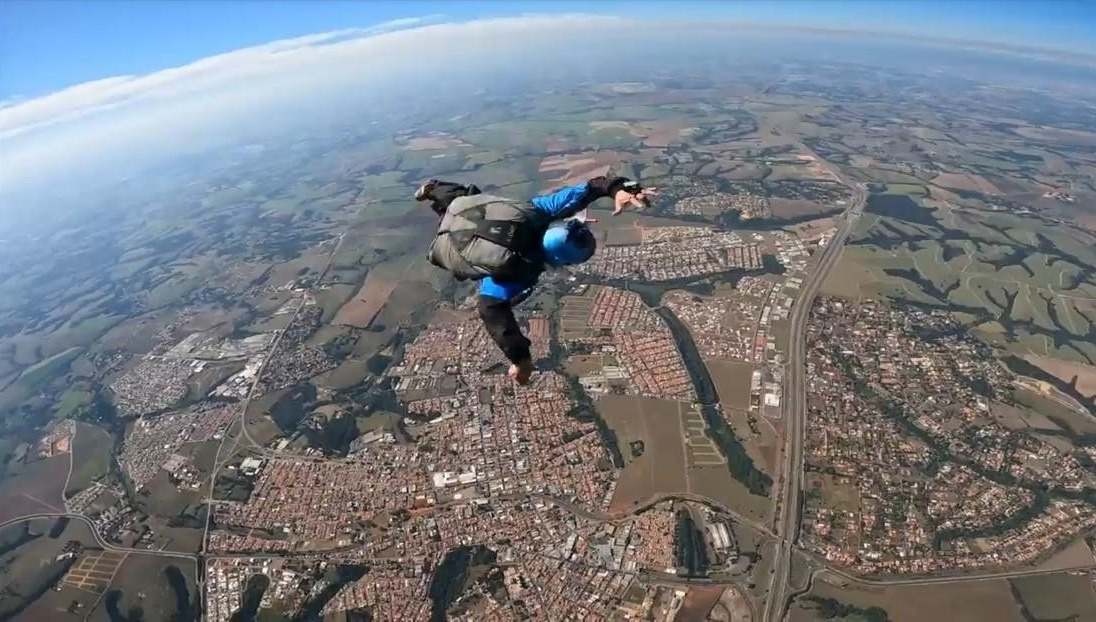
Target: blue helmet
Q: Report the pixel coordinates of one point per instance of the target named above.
(568, 245)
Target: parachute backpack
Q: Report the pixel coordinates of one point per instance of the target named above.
(484, 235)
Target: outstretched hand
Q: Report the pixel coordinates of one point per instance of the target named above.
(521, 372)
(638, 200)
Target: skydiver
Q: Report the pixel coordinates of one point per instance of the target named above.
(507, 245)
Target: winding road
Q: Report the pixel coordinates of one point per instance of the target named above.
(99, 540)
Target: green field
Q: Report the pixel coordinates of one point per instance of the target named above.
(144, 584)
(948, 602)
(33, 377)
(91, 457)
(1018, 282)
(29, 570)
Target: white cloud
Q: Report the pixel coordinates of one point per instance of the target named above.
(398, 40)
(99, 130)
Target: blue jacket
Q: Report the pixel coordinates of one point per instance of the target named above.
(563, 203)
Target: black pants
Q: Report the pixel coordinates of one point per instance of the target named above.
(498, 318)
(444, 193)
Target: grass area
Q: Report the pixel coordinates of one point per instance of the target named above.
(961, 601)
(349, 373)
(72, 400)
(162, 498)
(36, 376)
(28, 571)
(91, 456)
(331, 297)
(146, 583)
(33, 487)
(376, 421)
(49, 367)
(908, 189)
(1020, 283)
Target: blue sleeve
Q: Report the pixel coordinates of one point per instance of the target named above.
(568, 201)
(505, 290)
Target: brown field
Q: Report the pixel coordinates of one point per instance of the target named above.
(698, 603)
(700, 450)
(715, 482)
(1056, 135)
(927, 133)
(793, 208)
(382, 280)
(360, 310)
(94, 570)
(965, 181)
(1058, 597)
(1067, 371)
(623, 235)
(630, 88)
(35, 487)
(946, 602)
(575, 313)
(732, 382)
(437, 141)
(1076, 555)
(1017, 418)
(812, 229)
(584, 365)
(555, 144)
(446, 315)
(53, 605)
(810, 170)
(940, 194)
(661, 468)
(652, 133)
(1086, 221)
(577, 167)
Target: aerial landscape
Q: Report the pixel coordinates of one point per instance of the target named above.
(843, 367)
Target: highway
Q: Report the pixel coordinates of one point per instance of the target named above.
(984, 576)
(99, 540)
(795, 396)
(251, 393)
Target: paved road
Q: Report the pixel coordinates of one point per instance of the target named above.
(988, 576)
(99, 540)
(795, 395)
(243, 427)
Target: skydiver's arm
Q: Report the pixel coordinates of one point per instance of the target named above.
(567, 202)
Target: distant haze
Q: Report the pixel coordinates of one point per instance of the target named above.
(100, 131)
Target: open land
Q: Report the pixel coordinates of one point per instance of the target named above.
(35, 487)
(279, 350)
(952, 602)
(92, 449)
(31, 568)
(659, 470)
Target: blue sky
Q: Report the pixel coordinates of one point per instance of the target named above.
(47, 45)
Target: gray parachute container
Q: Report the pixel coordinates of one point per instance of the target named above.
(486, 235)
